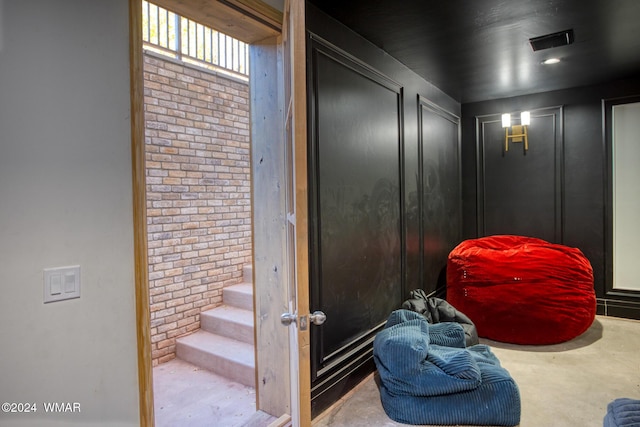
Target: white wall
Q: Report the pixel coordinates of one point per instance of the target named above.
(66, 198)
(626, 195)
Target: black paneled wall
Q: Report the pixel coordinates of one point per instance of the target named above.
(519, 191)
(556, 191)
(356, 121)
(384, 195)
(440, 201)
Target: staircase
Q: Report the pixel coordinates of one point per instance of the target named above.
(225, 342)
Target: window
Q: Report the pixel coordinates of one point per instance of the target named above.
(170, 34)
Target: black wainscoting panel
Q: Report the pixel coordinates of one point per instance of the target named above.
(583, 190)
(365, 195)
(520, 192)
(585, 171)
(356, 119)
(469, 165)
(440, 203)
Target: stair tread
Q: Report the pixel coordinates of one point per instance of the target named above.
(244, 287)
(240, 295)
(221, 346)
(230, 313)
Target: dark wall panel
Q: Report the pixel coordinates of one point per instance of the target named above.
(357, 120)
(583, 182)
(440, 183)
(519, 190)
(370, 214)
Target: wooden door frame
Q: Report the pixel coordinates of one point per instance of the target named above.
(250, 21)
(298, 42)
(271, 266)
(143, 312)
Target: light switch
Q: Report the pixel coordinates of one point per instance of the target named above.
(54, 284)
(69, 283)
(61, 283)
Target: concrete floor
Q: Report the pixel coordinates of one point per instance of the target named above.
(562, 385)
(187, 396)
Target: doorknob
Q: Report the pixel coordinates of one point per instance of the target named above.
(317, 318)
(288, 318)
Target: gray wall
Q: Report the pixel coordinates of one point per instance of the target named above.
(65, 199)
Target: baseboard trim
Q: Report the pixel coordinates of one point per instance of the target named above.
(618, 308)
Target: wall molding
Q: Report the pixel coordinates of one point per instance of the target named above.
(334, 365)
(486, 124)
(425, 105)
(621, 296)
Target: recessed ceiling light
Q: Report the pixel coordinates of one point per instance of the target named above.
(551, 61)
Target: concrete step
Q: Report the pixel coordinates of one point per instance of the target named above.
(224, 356)
(247, 273)
(229, 321)
(240, 296)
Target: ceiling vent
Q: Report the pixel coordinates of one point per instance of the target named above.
(562, 38)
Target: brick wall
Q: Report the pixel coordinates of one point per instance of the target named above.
(198, 193)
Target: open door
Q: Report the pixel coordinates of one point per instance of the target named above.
(294, 39)
(279, 174)
(280, 237)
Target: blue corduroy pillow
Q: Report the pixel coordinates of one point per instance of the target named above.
(623, 412)
(410, 364)
(428, 376)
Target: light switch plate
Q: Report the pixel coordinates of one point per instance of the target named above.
(61, 283)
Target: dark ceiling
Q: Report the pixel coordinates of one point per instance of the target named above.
(476, 50)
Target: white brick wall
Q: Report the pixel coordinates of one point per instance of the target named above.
(198, 194)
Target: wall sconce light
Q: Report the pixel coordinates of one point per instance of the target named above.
(518, 132)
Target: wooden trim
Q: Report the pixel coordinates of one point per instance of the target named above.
(270, 248)
(143, 325)
(297, 39)
(261, 10)
(246, 20)
(283, 421)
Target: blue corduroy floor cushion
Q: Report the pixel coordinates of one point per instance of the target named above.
(623, 412)
(429, 377)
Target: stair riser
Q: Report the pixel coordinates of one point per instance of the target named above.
(230, 369)
(237, 299)
(247, 273)
(221, 345)
(227, 328)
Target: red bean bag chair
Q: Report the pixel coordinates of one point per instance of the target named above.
(522, 290)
